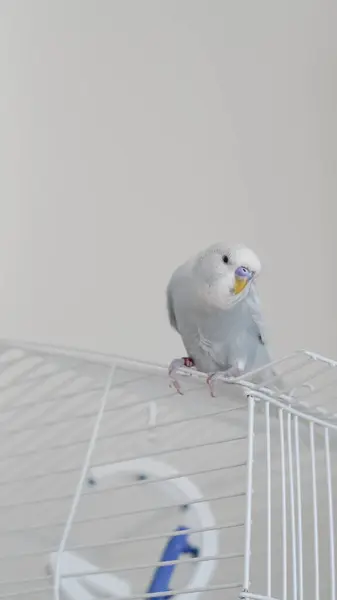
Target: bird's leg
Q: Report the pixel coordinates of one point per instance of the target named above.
(223, 375)
(175, 365)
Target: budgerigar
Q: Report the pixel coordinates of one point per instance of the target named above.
(213, 304)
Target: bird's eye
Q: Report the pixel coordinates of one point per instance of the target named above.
(225, 259)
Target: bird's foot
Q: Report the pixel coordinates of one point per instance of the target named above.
(223, 376)
(176, 364)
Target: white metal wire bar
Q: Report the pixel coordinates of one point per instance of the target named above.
(331, 517)
(126, 540)
(26, 580)
(289, 402)
(122, 569)
(306, 416)
(26, 593)
(320, 371)
(315, 356)
(65, 419)
(288, 390)
(269, 550)
(209, 588)
(274, 363)
(22, 375)
(292, 506)
(55, 401)
(284, 509)
(154, 565)
(90, 389)
(120, 361)
(10, 363)
(51, 403)
(295, 369)
(128, 513)
(152, 408)
(323, 386)
(140, 595)
(299, 510)
(87, 356)
(150, 369)
(328, 413)
(256, 596)
(144, 429)
(243, 380)
(95, 358)
(80, 485)
(35, 383)
(39, 476)
(249, 492)
(315, 508)
(125, 485)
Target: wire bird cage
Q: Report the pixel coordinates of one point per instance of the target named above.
(115, 486)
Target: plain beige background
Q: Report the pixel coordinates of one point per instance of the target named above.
(134, 133)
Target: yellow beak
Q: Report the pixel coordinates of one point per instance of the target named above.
(239, 285)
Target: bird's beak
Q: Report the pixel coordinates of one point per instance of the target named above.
(239, 284)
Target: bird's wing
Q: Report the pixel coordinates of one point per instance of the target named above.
(170, 307)
(256, 314)
(263, 356)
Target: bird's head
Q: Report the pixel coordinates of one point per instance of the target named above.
(224, 274)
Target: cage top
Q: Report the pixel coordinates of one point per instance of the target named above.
(304, 382)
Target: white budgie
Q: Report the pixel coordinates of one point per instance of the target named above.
(213, 304)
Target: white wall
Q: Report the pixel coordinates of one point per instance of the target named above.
(134, 133)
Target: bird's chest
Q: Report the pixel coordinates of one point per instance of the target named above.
(216, 333)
